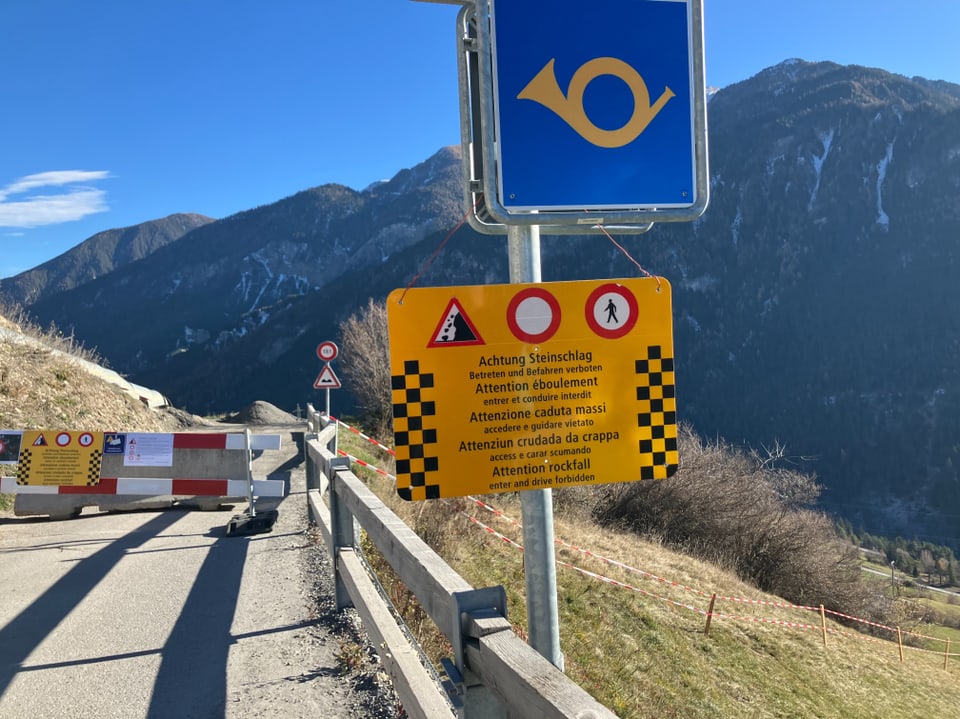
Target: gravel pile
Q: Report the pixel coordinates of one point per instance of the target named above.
(263, 413)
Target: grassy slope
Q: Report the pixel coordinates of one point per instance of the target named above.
(40, 389)
(643, 652)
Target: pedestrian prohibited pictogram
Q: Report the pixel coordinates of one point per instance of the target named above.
(611, 311)
(572, 384)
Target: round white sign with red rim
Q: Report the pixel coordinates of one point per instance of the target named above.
(327, 351)
(611, 310)
(533, 315)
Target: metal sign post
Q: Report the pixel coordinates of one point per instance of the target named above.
(536, 506)
(541, 152)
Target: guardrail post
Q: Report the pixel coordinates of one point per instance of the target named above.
(312, 470)
(479, 611)
(343, 529)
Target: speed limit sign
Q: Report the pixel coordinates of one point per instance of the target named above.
(327, 351)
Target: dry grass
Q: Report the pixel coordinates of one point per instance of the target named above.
(642, 651)
(41, 388)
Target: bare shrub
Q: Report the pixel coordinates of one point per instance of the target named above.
(745, 511)
(575, 502)
(365, 362)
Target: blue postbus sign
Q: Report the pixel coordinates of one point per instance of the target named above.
(598, 106)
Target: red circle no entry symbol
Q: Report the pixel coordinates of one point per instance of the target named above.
(533, 315)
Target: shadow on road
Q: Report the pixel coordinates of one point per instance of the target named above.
(28, 629)
(192, 679)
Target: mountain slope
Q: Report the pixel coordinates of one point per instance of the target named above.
(226, 278)
(814, 302)
(99, 255)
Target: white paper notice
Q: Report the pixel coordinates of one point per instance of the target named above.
(148, 450)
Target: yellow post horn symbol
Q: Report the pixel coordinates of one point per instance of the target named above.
(545, 90)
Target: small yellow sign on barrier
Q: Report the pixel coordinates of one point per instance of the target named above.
(56, 457)
(500, 388)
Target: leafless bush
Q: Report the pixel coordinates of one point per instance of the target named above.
(365, 362)
(748, 512)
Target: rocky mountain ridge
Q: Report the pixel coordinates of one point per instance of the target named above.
(97, 256)
(814, 302)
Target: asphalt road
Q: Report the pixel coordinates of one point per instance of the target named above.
(160, 614)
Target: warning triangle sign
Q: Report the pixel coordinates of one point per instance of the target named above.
(40, 441)
(455, 328)
(327, 379)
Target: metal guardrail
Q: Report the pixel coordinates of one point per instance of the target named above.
(494, 673)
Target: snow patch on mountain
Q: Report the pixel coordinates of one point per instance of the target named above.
(826, 139)
(883, 219)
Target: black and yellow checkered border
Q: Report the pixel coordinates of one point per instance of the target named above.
(93, 470)
(657, 415)
(415, 432)
(23, 466)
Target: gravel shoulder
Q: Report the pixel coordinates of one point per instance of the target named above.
(323, 666)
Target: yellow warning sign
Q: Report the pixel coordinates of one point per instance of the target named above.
(60, 458)
(501, 388)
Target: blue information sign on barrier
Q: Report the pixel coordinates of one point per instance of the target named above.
(595, 104)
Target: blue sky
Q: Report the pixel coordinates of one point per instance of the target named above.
(115, 112)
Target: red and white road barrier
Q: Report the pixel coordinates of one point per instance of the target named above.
(237, 483)
(139, 486)
(223, 440)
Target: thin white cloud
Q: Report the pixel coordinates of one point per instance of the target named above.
(35, 210)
